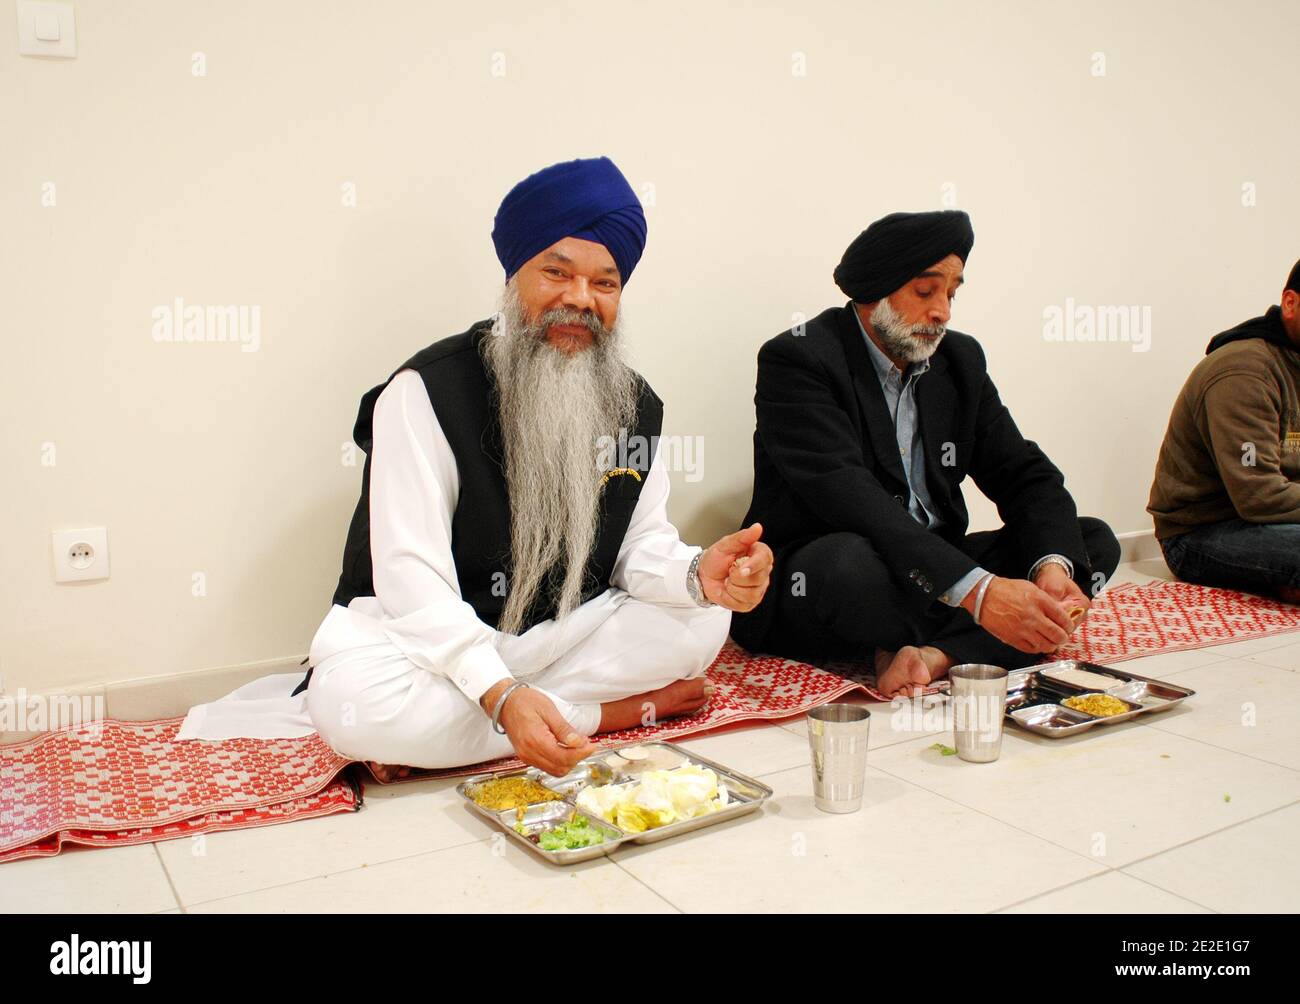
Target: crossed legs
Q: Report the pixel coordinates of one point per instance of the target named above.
(373, 704)
(851, 606)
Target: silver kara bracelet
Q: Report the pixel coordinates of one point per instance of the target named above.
(501, 703)
(982, 588)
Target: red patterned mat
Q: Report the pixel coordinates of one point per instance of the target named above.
(131, 782)
(115, 783)
(1128, 622)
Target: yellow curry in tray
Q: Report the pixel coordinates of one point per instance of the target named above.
(1100, 705)
(511, 793)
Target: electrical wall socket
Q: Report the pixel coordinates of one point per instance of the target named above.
(80, 555)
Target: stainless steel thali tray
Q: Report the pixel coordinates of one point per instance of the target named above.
(1034, 697)
(745, 795)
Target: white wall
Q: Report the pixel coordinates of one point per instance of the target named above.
(1121, 189)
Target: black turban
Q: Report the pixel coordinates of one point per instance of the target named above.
(899, 247)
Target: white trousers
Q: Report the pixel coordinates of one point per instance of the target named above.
(372, 703)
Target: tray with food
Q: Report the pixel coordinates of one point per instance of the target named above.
(1065, 698)
(635, 794)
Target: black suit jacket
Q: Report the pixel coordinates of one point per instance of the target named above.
(826, 460)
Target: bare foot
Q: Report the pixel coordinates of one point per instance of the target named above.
(681, 697)
(384, 773)
(910, 670)
(901, 673)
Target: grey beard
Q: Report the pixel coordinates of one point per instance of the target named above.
(900, 338)
(553, 409)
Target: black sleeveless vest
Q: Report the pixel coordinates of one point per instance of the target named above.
(460, 389)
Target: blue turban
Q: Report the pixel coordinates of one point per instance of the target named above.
(588, 199)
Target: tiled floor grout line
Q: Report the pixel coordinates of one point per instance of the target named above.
(1247, 657)
(1047, 840)
(610, 859)
(778, 770)
(1090, 878)
(1048, 892)
(1223, 749)
(168, 876)
(1154, 723)
(636, 878)
(996, 819)
(405, 857)
(912, 737)
(1156, 885)
(1121, 869)
(971, 808)
(1053, 843)
(1265, 665)
(1206, 836)
(1284, 639)
(1108, 867)
(341, 871)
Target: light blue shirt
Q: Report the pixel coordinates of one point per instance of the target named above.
(900, 397)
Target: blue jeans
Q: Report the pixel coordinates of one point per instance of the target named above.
(1251, 557)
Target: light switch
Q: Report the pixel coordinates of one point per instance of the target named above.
(46, 29)
(47, 25)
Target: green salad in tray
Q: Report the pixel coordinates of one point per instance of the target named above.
(566, 836)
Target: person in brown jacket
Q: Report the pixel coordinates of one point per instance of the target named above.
(1226, 496)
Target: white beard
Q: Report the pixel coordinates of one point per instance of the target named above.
(553, 408)
(900, 338)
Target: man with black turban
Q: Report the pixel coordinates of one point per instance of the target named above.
(870, 417)
(511, 582)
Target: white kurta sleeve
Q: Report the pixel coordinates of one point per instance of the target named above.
(652, 562)
(414, 487)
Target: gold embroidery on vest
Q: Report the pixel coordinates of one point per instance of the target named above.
(619, 471)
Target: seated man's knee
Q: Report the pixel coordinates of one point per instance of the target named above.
(831, 570)
(337, 706)
(698, 638)
(1102, 544)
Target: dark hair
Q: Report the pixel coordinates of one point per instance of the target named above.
(1293, 280)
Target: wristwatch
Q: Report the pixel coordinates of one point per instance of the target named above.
(693, 584)
(1052, 559)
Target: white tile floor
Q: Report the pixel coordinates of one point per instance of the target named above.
(1196, 811)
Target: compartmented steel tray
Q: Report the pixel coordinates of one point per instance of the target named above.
(1034, 697)
(745, 795)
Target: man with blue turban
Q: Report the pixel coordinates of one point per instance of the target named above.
(511, 582)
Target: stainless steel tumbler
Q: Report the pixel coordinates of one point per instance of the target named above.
(979, 696)
(838, 735)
